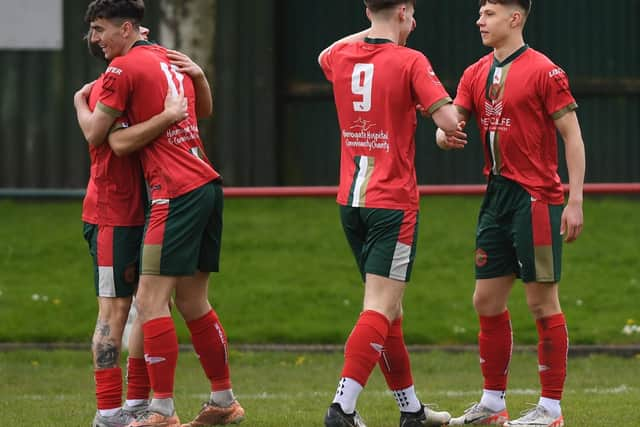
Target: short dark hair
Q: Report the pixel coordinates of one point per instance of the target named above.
(524, 4)
(378, 5)
(115, 9)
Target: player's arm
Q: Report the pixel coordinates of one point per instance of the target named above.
(572, 217)
(204, 99)
(353, 38)
(451, 138)
(94, 124)
(126, 140)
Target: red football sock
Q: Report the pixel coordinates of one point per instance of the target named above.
(161, 355)
(108, 388)
(394, 363)
(553, 345)
(138, 386)
(210, 343)
(364, 346)
(496, 343)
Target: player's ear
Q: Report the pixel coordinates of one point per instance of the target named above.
(126, 28)
(402, 10)
(516, 18)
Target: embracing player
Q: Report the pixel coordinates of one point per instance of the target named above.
(181, 243)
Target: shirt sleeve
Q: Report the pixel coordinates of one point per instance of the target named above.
(464, 94)
(121, 122)
(116, 88)
(326, 62)
(426, 86)
(556, 92)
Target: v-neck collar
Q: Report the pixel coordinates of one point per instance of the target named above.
(511, 57)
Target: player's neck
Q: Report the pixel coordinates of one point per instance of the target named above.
(131, 43)
(508, 47)
(384, 30)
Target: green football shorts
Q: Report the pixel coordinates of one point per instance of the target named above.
(383, 241)
(116, 255)
(517, 234)
(184, 235)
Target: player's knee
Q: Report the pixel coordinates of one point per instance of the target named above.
(542, 308)
(487, 304)
(536, 308)
(114, 308)
(481, 302)
(192, 309)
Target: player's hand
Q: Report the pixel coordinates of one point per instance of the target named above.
(185, 64)
(452, 140)
(572, 221)
(457, 139)
(176, 107)
(144, 32)
(85, 90)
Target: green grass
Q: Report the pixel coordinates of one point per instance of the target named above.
(288, 275)
(44, 389)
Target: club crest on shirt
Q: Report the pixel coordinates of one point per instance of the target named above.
(494, 91)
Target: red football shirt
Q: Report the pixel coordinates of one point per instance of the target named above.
(515, 103)
(114, 194)
(377, 85)
(137, 83)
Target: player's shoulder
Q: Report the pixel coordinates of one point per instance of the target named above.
(155, 49)
(484, 62)
(538, 61)
(339, 47)
(409, 54)
(405, 57)
(121, 64)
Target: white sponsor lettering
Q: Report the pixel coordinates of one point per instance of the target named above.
(492, 118)
(556, 72)
(177, 136)
(364, 137)
(114, 70)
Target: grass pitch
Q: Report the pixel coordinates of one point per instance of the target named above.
(288, 276)
(44, 389)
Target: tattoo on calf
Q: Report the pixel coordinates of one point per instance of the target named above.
(106, 352)
(103, 329)
(106, 356)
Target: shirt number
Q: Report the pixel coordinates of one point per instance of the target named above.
(173, 75)
(361, 84)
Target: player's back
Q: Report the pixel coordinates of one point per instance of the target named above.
(373, 80)
(114, 193)
(377, 85)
